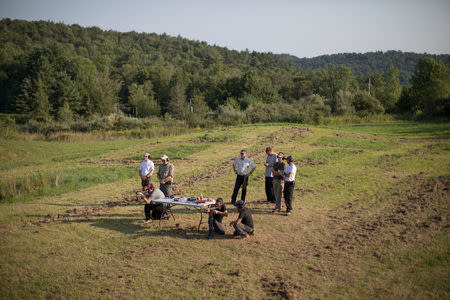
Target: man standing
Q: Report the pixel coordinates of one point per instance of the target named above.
(165, 175)
(146, 170)
(243, 167)
(270, 162)
(216, 215)
(244, 224)
(151, 209)
(289, 182)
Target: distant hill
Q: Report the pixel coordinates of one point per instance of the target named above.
(365, 64)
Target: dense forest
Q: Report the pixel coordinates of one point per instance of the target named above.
(52, 72)
(366, 64)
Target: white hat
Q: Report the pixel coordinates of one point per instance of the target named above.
(146, 154)
(165, 157)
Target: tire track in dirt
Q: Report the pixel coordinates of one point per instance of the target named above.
(408, 215)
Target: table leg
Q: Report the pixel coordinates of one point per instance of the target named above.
(201, 219)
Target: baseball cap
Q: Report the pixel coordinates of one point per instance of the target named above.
(146, 154)
(240, 203)
(150, 187)
(165, 157)
(290, 158)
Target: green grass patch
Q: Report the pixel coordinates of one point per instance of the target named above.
(404, 129)
(328, 154)
(354, 143)
(56, 182)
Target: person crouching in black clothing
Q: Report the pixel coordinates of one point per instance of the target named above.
(216, 214)
(244, 223)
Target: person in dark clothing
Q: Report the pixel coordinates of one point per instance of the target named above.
(243, 167)
(244, 224)
(216, 214)
(151, 209)
(270, 162)
(278, 172)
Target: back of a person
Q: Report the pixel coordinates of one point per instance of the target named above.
(246, 216)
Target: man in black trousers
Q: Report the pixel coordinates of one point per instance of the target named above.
(270, 162)
(243, 167)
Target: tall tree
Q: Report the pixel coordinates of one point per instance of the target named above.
(430, 86)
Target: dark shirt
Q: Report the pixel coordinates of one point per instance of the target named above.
(219, 217)
(246, 216)
(278, 166)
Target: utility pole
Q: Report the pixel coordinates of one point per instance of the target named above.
(369, 85)
(191, 108)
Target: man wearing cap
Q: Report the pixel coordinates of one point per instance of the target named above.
(243, 167)
(289, 182)
(152, 209)
(278, 172)
(244, 224)
(165, 175)
(270, 162)
(216, 214)
(146, 170)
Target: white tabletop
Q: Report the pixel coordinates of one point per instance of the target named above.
(182, 201)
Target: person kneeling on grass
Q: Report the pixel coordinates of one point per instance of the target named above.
(244, 224)
(152, 210)
(216, 214)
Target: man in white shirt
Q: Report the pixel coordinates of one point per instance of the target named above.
(243, 167)
(289, 182)
(146, 170)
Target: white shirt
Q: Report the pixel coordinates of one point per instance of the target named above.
(290, 169)
(243, 166)
(146, 167)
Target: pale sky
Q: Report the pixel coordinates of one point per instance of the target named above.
(301, 28)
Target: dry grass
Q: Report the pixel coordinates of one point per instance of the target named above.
(369, 222)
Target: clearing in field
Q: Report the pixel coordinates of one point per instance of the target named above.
(370, 219)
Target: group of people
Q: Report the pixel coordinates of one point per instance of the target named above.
(165, 174)
(277, 176)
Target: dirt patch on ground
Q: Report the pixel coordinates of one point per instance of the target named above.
(408, 215)
(280, 287)
(85, 212)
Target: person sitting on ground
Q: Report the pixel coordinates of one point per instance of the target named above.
(244, 224)
(152, 210)
(216, 214)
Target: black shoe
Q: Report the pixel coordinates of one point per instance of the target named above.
(236, 233)
(210, 236)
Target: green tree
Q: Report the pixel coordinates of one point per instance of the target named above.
(430, 86)
(141, 98)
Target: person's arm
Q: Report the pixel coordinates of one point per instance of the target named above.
(238, 221)
(168, 178)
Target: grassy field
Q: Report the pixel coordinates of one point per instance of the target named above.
(371, 217)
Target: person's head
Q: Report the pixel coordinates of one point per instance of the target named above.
(243, 153)
(290, 159)
(280, 156)
(269, 150)
(165, 159)
(146, 156)
(219, 202)
(240, 205)
(150, 188)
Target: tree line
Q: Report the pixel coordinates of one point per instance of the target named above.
(366, 64)
(52, 71)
